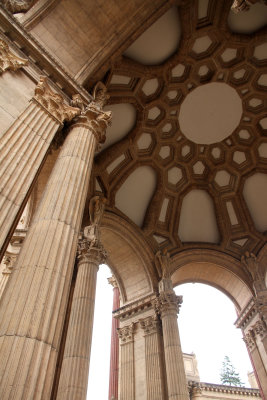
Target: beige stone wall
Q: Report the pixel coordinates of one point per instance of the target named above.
(16, 89)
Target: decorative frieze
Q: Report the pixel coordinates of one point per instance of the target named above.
(246, 314)
(9, 60)
(126, 334)
(135, 308)
(53, 102)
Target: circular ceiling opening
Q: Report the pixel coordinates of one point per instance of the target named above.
(210, 113)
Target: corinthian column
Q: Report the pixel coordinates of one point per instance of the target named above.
(23, 149)
(154, 363)
(33, 306)
(167, 305)
(75, 366)
(114, 348)
(127, 389)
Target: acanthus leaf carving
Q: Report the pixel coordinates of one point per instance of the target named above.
(168, 302)
(250, 340)
(9, 60)
(53, 102)
(260, 328)
(93, 116)
(126, 334)
(150, 324)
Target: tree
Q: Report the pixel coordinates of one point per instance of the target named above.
(228, 374)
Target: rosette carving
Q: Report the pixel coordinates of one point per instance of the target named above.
(8, 60)
(53, 102)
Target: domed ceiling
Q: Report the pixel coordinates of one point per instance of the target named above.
(185, 161)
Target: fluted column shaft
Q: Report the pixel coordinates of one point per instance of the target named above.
(114, 348)
(23, 149)
(127, 381)
(34, 303)
(168, 307)
(154, 365)
(75, 366)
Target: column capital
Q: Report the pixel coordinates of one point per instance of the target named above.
(250, 340)
(260, 328)
(126, 334)
(93, 116)
(168, 302)
(150, 325)
(90, 251)
(113, 281)
(9, 261)
(53, 102)
(9, 60)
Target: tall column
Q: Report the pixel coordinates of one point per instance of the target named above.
(154, 365)
(127, 381)
(75, 366)
(114, 348)
(33, 306)
(23, 149)
(167, 305)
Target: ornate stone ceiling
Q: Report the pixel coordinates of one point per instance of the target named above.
(202, 191)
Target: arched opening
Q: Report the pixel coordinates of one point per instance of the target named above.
(206, 324)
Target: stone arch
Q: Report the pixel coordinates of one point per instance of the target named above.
(129, 257)
(216, 269)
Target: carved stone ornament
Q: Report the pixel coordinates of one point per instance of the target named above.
(163, 260)
(8, 60)
(18, 6)
(168, 302)
(53, 102)
(9, 261)
(249, 339)
(244, 5)
(260, 328)
(251, 264)
(150, 325)
(113, 281)
(126, 334)
(89, 251)
(93, 117)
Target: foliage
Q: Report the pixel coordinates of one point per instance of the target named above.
(228, 374)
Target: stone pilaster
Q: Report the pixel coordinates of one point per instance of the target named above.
(9, 60)
(127, 377)
(154, 362)
(75, 366)
(23, 149)
(114, 348)
(33, 306)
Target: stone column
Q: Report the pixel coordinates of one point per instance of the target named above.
(114, 348)
(23, 149)
(75, 366)
(127, 381)
(154, 363)
(167, 305)
(32, 309)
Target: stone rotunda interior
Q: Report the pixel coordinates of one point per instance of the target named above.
(176, 193)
